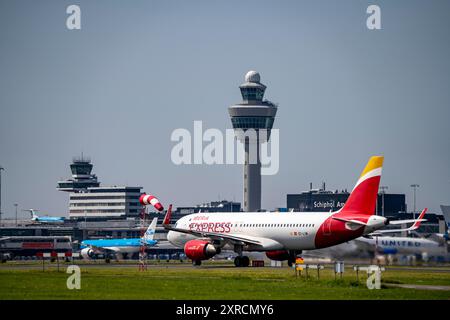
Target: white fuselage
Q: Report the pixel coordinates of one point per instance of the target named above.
(405, 245)
(275, 230)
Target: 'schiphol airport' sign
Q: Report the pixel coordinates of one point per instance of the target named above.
(328, 204)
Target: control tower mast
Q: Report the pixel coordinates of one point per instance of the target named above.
(252, 113)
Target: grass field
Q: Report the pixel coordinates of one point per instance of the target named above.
(211, 282)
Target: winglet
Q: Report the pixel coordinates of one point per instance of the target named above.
(416, 224)
(166, 220)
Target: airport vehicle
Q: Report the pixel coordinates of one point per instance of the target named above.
(118, 247)
(282, 235)
(44, 219)
(23, 246)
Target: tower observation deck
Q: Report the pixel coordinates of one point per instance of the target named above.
(82, 178)
(252, 113)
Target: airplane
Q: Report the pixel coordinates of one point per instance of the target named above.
(282, 236)
(446, 213)
(405, 246)
(377, 245)
(119, 247)
(387, 245)
(44, 219)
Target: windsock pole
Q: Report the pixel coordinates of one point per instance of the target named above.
(142, 253)
(146, 199)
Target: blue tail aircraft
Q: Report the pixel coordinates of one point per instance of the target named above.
(44, 219)
(90, 248)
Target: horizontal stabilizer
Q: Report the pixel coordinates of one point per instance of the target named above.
(351, 221)
(397, 222)
(415, 226)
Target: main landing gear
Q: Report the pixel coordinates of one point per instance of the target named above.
(196, 262)
(293, 256)
(241, 261)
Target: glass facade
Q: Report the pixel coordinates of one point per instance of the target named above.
(97, 211)
(81, 168)
(105, 204)
(252, 93)
(78, 184)
(87, 197)
(252, 122)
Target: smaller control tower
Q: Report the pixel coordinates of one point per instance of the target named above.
(82, 178)
(252, 113)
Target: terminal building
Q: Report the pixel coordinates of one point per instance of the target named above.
(90, 201)
(320, 200)
(105, 202)
(390, 205)
(213, 206)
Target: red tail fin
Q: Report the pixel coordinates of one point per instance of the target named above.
(363, 198)
(168, 216)
(416, 224)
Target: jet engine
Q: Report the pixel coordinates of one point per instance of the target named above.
(199, 250)
(278, 255)
(87, 253)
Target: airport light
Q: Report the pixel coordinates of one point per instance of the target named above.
(1, 168)
(383, 191)
(414, 186)
(15, 205)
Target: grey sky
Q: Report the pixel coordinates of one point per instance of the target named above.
(137, 70)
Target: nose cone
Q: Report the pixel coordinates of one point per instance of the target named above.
(170, 236)
(173, 238)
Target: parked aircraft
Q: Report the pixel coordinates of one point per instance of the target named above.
(44, 219)
(118, 247)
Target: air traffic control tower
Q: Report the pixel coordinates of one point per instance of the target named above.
(81, 176)
(252, 113)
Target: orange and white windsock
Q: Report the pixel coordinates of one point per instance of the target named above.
(147, 199)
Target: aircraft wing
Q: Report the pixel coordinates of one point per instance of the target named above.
(223, 237)
(218, 236)
(102, 249)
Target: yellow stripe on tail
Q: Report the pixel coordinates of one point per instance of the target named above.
(375, 162)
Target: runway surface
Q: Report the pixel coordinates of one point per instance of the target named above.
(418, 286)
(38, 266)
